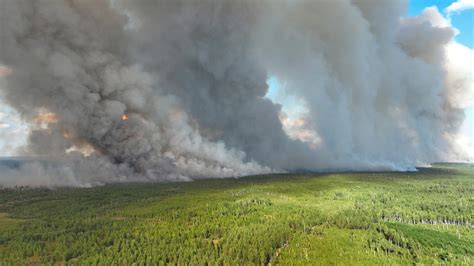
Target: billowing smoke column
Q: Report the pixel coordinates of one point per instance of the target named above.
(175, 90)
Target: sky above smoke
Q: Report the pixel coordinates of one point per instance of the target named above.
(117, 90)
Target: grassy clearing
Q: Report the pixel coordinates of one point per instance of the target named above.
(6, 222)
(342, 218)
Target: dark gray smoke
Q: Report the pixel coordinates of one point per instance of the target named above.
(175, 90)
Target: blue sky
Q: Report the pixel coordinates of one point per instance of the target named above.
(13, 132)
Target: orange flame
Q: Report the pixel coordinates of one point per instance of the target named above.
(46, 118)
(5, 71)
(124, 117)
(67, 134)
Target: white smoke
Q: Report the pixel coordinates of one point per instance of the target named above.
(459, 6)
(174, 90)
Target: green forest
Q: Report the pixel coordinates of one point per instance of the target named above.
(354, 218)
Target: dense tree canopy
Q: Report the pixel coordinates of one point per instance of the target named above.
(347, 218)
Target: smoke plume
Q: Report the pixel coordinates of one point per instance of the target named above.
(118, 90)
